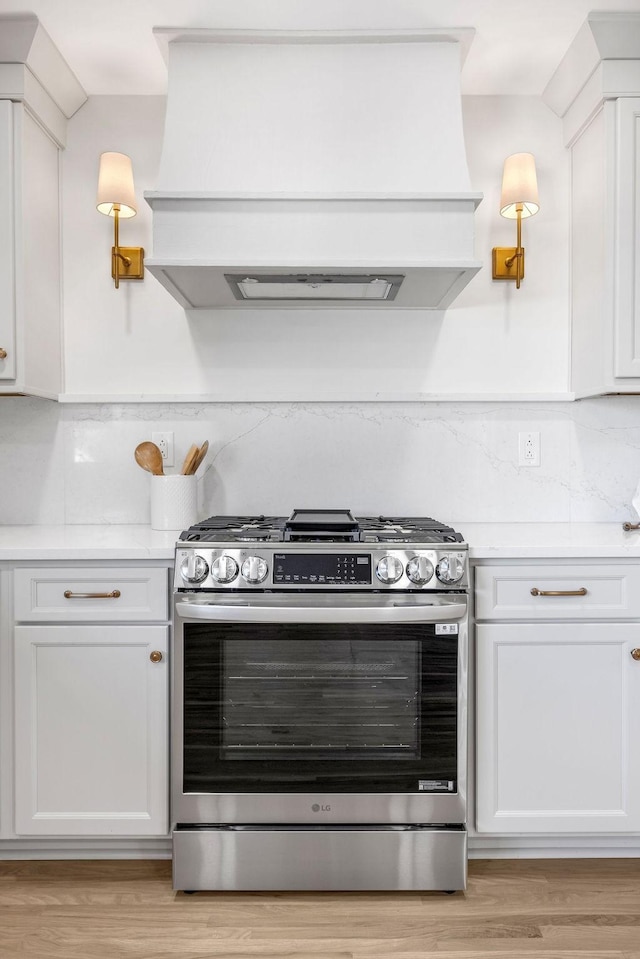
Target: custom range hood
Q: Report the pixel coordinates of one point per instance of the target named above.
(313, 170)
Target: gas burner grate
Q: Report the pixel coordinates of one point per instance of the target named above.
(382, 529)
(232, 522)
(410, 529)
(233, 527)
(416, 523)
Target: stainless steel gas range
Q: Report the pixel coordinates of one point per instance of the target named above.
(319, 734)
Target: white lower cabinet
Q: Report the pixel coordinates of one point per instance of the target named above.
(558, 727)
(91, 737)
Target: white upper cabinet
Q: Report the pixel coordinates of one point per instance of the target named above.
(33, 114)
(596, 91)
(627, 240)
(7, 294)
(30, 326)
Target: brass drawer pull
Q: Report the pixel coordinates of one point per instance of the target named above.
(114, 594)
(559, 592)
(3, 354)
(635, 654)
(155, 656)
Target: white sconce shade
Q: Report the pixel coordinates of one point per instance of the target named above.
(519, 186)
(115, 185)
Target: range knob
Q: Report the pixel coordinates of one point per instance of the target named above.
(450, 569)
(389, 569)
(224, 569)
(254, 569)
(194, 568)
(419, 570)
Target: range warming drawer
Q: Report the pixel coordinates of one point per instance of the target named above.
(255, 858)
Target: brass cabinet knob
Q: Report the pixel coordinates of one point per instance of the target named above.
(635, 654)
(156, 656)
(3, 354)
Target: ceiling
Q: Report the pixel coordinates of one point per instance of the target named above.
(110, 46)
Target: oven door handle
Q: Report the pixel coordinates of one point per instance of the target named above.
(211, 612)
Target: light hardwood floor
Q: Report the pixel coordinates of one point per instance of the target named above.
(543, 909)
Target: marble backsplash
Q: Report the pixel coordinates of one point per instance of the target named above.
(455, 461)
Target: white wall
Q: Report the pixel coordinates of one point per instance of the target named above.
(457, 462)
(493, 339)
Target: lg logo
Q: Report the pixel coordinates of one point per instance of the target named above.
(318, 808)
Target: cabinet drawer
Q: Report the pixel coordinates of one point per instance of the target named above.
(599, 592)
(90, 595)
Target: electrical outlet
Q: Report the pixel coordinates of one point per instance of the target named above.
(529, 449)
(164, 442)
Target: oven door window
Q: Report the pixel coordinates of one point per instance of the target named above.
(343, 708)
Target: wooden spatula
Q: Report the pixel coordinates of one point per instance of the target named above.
(202, 452)
(189, 460)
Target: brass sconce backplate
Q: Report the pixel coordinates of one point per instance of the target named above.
(503, 270)
(131, 270)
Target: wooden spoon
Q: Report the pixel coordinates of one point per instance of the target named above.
(149, 457)
(202, 452)
(189, 460)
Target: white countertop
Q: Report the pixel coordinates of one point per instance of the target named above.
(85, 542)
(487, 541)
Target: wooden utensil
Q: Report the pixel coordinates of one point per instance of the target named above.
(189, 460)
(149, 457)
(202, 452)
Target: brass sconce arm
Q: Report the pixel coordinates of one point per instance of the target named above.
(116, 254)
(518, 256)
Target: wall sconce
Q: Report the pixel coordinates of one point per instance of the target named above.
(519, 199)
(116, 198)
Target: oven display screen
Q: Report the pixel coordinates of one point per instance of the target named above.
(318, 569)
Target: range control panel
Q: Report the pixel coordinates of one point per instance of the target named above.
(331, 569)
(283, 568)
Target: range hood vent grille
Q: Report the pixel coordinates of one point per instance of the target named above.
(313, 286)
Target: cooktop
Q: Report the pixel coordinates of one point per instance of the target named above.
(327, 526)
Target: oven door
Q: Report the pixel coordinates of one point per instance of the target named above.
(319, 709)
